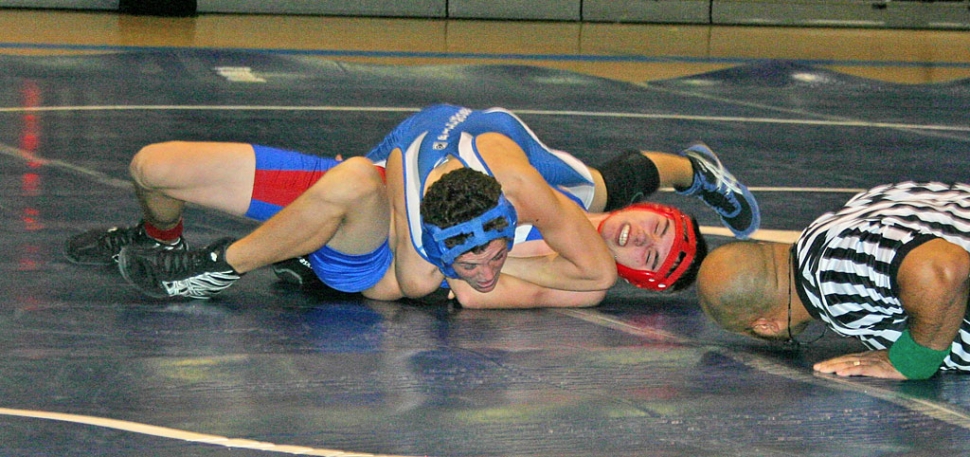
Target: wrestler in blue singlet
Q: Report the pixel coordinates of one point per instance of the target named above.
(441, 131)
(426, 139)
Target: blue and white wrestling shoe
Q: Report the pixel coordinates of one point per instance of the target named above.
(720, 190)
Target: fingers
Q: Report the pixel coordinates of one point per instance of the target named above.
(842, 366)
(874, 364)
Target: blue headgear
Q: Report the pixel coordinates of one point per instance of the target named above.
(442, 257)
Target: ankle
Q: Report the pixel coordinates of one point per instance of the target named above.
(229, 254)
(167, 236)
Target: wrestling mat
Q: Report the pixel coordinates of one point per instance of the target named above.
(91, 367)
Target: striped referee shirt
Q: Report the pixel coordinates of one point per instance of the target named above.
(846, 261)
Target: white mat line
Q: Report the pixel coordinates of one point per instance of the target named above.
(821, 118)
(833, 190)
(777, 236)
(182, 435)
(97, 176)
(781, 236)
(820, 190)
(736, 119)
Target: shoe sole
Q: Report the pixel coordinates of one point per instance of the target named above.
(123, 266)
(88, 264)
(288, 276)
(111, 262)
(76, 261)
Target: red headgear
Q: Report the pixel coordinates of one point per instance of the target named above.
(684, 249)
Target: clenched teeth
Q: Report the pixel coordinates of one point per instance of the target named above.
(624, 235)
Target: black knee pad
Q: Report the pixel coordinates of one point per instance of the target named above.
(629, 178)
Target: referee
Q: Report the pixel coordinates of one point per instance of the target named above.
(889, 268)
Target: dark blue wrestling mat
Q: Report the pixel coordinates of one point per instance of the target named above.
(267, 369)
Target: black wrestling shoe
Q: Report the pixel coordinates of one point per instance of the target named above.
(197, 274)
(101, 246)
(720, 190)
(296, 271)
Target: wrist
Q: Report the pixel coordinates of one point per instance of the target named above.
(914, 360)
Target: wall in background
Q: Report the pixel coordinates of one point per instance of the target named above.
(939, 14)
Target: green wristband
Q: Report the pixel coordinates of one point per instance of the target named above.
(914, 360)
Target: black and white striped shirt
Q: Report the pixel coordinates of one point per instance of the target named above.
(846, 261)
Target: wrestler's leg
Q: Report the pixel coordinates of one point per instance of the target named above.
(212, 175)
(695, 172)
(635, 175)
(166, 176)
(346, 209)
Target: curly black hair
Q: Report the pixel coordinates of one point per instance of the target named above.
(459, 196)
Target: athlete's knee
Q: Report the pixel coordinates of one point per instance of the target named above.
(154, 165)
(144, 163)
(629, 178)
(354, 181)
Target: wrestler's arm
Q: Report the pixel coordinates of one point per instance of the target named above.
(581, 261)
(416, 277)
(933, 289)
(515, 293)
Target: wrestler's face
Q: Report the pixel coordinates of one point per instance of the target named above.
(639, 238)
(481, 269)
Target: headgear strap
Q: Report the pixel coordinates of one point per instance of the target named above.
(683, 249)
(433, 237)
